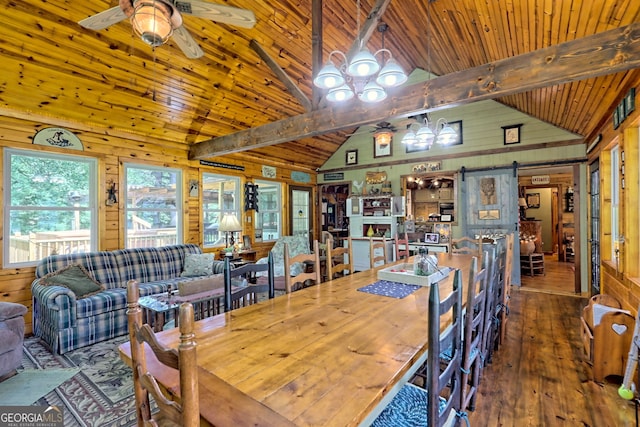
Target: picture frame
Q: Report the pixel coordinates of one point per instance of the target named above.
(381, 149)
(511, 134)
(445, 218)
(457, 127)
(489, 214)
(351, 157)
(432, 238)
(533, 200)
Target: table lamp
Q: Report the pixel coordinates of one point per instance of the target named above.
(522, 203)
(229, 224)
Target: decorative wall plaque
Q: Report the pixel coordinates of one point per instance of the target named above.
(251, 196)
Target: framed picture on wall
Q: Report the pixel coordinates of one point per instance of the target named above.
(352, 157)
(382, 147)
(533, 200)
(511, 134)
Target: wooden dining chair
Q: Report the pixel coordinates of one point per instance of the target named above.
(506, 287)
(474, 319)
(336, 262)
(147, 351)
(248, 294)
(438, 403)
(402, 247)
(308, 261)
(377, 252)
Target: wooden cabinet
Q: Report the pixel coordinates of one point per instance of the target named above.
(433, 204)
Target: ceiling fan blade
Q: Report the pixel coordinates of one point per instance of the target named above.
(186, 43)
(217, 12)
(104, 19)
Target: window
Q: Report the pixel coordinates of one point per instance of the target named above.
(268, 215)
(615, 201)
(152, 211)
(220, 195)
(50, 206)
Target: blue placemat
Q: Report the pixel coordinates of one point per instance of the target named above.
(391, 289)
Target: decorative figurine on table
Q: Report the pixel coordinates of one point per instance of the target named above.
(425, 264)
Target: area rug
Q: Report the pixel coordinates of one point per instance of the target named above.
(100, 394)
(32, 384)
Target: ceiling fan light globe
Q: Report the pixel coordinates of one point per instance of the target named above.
(391, 75)
(329, 77)
(340, 94)
(364, 64)
(151, 20)
(372, 92)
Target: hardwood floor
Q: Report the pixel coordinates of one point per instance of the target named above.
(538, 376)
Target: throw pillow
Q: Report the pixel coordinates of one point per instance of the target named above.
(198, 265)
(76, 278)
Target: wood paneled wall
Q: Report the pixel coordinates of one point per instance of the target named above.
(112, 152)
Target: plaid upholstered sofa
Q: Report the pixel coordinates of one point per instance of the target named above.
(66, 322)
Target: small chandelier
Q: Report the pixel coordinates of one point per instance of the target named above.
(363, 75)
(425, 135)
(154, 21)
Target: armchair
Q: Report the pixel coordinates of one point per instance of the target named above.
(298, 244)
(11, 337)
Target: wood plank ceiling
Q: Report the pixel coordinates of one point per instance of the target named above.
(111, 80)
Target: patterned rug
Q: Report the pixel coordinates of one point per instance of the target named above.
(101, 394)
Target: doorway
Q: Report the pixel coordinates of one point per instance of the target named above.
(554, 187)
(300, 214)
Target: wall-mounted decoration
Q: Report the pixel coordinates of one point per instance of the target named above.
(112, 197)
(222, 165)
(298, 176)
(58, 137)
(489, 214)
(382, 147)
(376, 177)
(246, 242)
(488, 194)
(193, 188)
(251, 196)
(427, 167)
(268, 171)
(334, 176)
(351, 157)
(533, 200)
(540, 179)
(512, 134)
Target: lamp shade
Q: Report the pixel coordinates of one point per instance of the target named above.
(341, 93)
(329, 77)
(391, 74)
(364, 64)
(522, 202)
(230, 223)
(152, 21)
(372, 92)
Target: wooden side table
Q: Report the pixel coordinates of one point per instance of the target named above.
(532, 264)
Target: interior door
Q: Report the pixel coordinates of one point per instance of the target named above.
(489, 205)
(594, 229)
(300, 211)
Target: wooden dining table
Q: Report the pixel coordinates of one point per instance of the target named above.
(326, 355)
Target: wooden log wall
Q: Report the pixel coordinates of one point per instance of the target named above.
(112, 151)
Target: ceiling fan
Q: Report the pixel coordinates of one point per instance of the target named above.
(377, 128)
(156, 20)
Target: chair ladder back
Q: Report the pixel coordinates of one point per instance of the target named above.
(489, 264)
(374, 247)
(474, 319)
(467, 245)
(506, 292)
(142, 337)
(238, 299)
(337, 256)
(312, 259)
(444, 374)
(404, 252)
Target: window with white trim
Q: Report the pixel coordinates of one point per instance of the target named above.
(220, 195)
(50, 205)
(269, 213)
(615, 201)
(152, 210)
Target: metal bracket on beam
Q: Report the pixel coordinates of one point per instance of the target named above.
(462, 171)
(515, 169)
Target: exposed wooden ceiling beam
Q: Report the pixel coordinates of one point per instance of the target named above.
(281, 74)
(604, 53)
